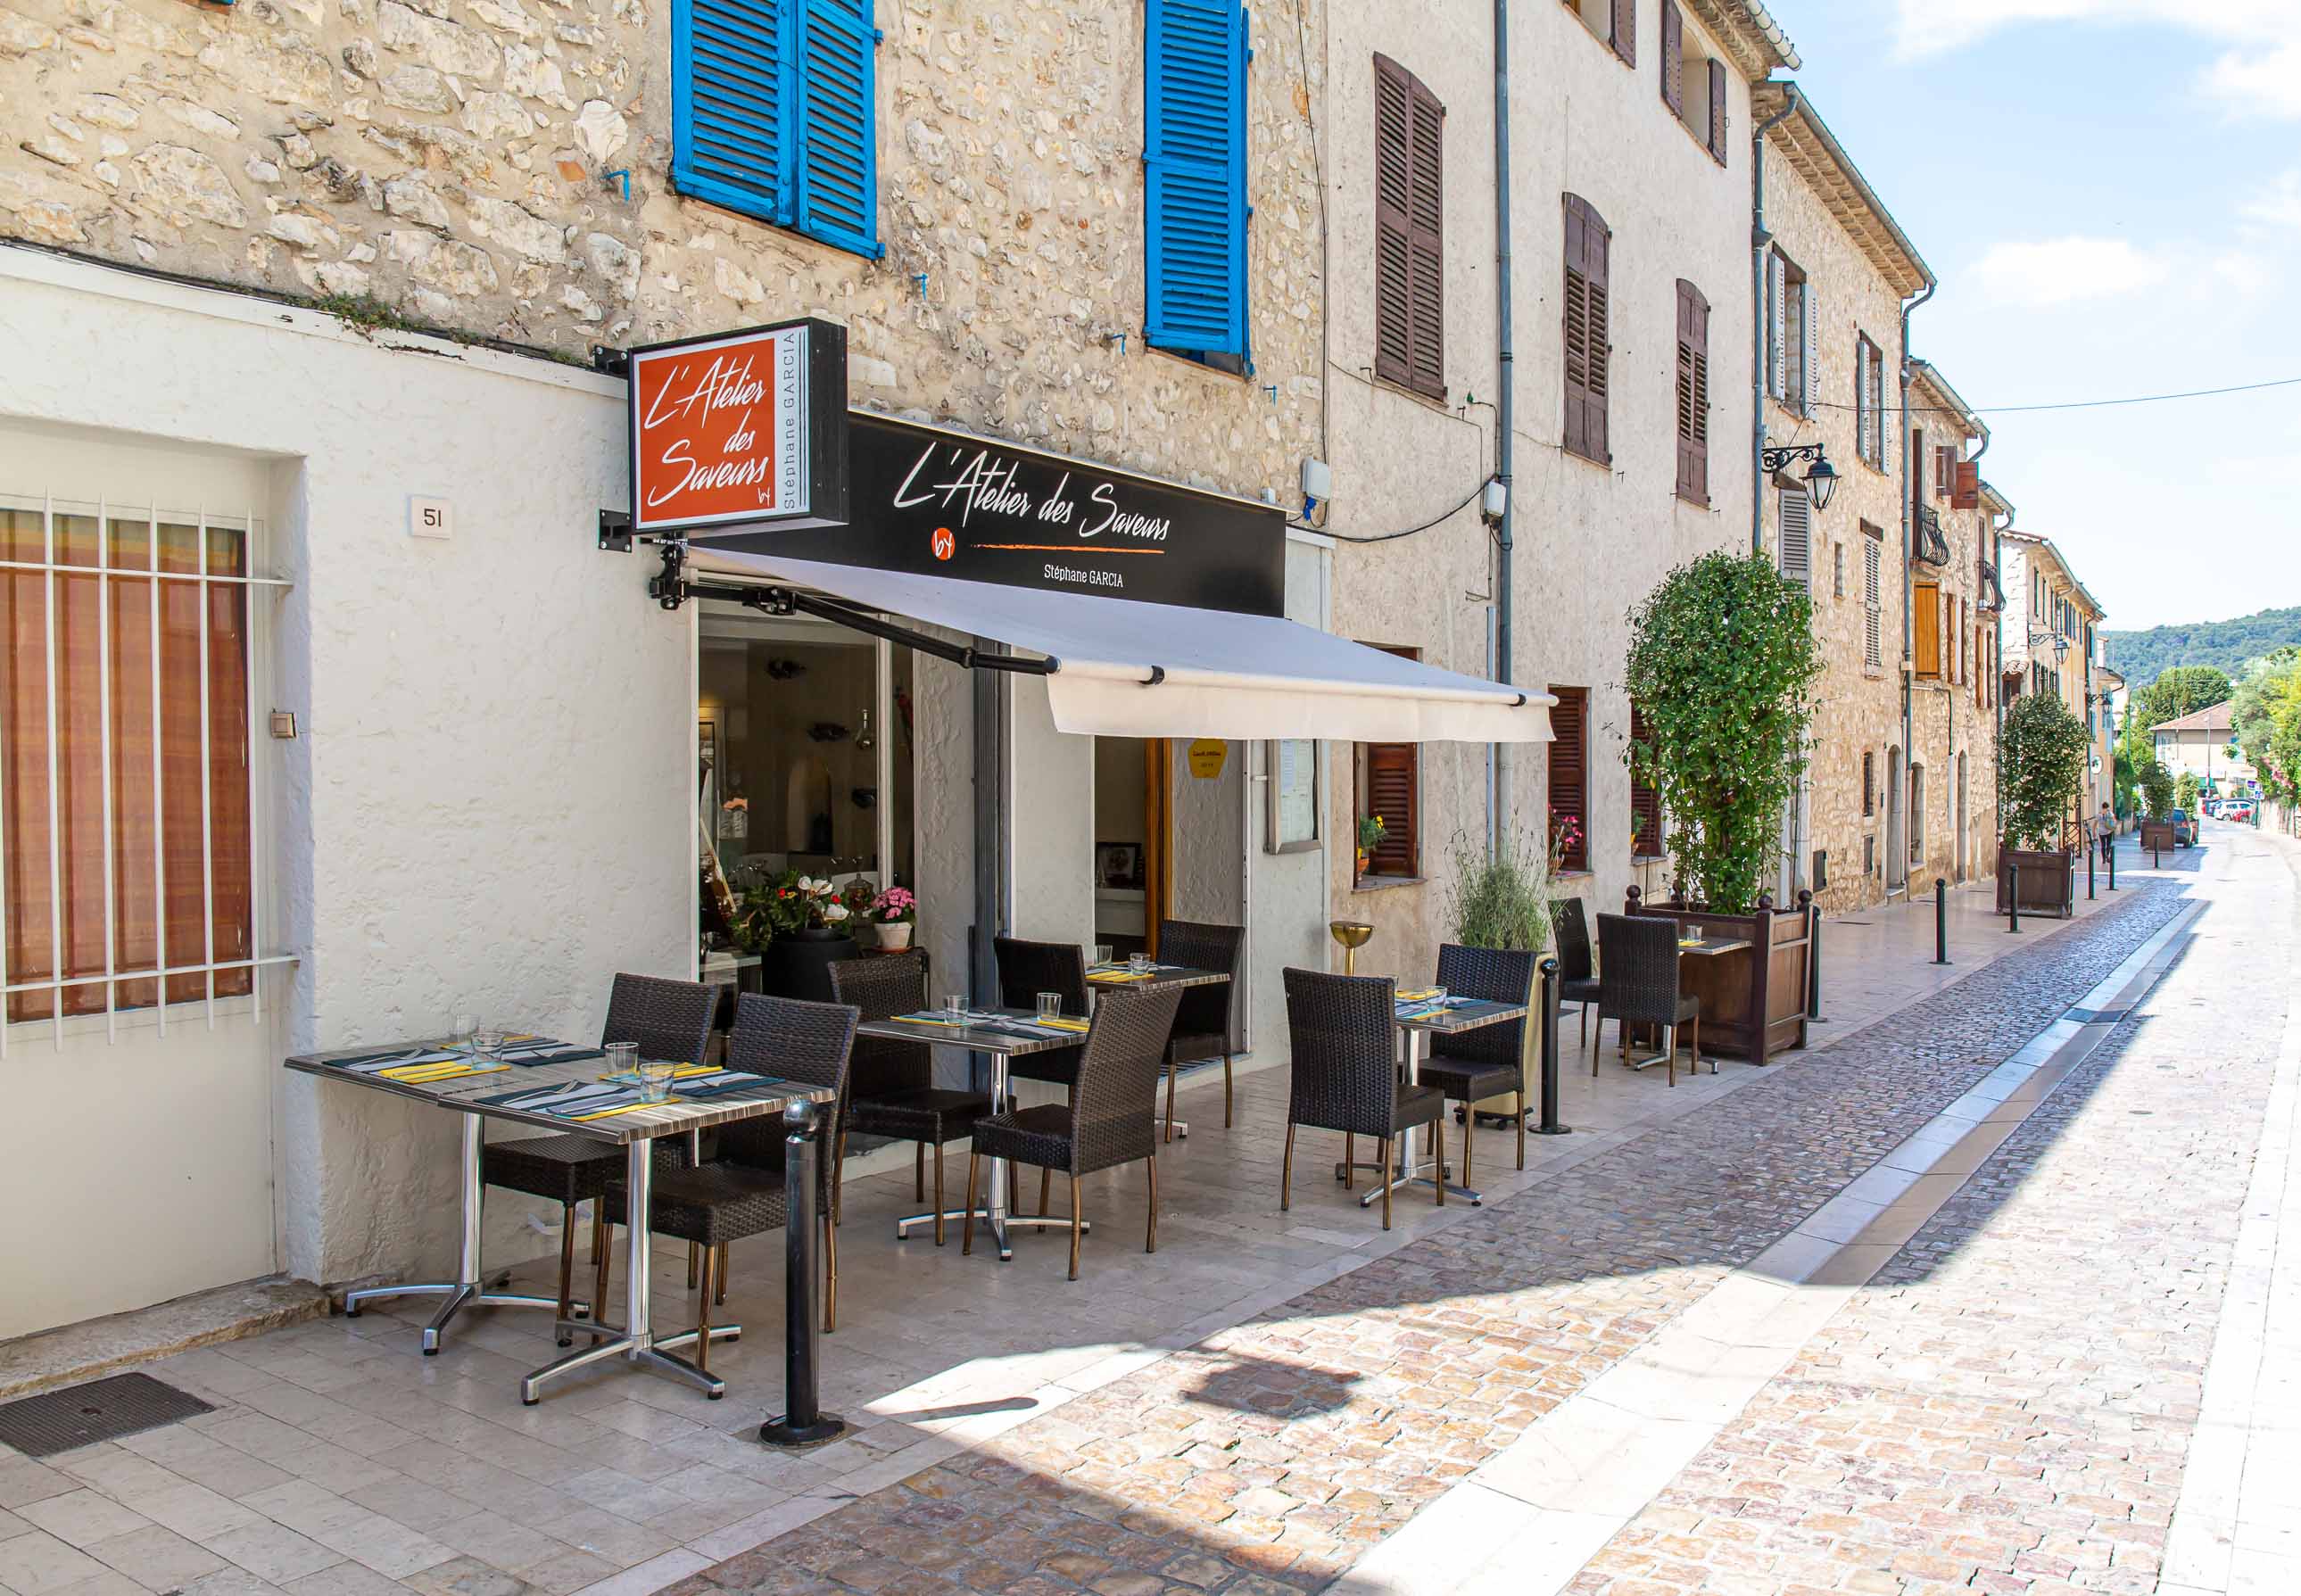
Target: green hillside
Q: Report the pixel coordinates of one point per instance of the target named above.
(2229, 644)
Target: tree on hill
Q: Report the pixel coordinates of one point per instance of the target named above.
(2142, 656)
(2184, 689)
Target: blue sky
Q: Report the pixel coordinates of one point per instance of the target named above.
(2110, 192)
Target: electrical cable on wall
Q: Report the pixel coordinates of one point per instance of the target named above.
(2200, 393)
(1457, 509)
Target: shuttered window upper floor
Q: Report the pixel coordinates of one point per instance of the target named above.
(775, 113)
(1195, 58)
(1410, 211)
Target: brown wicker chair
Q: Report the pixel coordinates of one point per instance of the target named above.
(892, 1090)
(1111, 1119)
(1577, 980)
(1203, 1023)
(668, 1019)
(1344, 1033)
(1637, 955)
(1490, 1060)
(1026, 969)
(742, 1192)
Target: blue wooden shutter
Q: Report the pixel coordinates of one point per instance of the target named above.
(731, 104)
(838, 198)
(1195, 160)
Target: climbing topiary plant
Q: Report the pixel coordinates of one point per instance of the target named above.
(1722, 663)
(2041, 765)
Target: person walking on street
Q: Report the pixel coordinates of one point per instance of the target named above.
(2106, 829)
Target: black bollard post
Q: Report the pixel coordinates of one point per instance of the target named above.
(1941, 921)
(2157, 853)
(2014, 897)
(1812, 955)
(803, 1423)
(2088, 875)
(2111, 851)
(1547, 987)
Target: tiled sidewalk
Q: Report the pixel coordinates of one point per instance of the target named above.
(1270, 1457)
(2008, 1405)
(339, 1460)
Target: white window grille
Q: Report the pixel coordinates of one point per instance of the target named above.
(139, 565)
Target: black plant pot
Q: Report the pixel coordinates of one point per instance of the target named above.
(798, 963)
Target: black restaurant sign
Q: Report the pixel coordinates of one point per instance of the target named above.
(939, 503)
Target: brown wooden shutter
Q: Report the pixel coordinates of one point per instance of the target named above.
(1717, 110)
(1426, 251)
(1569, 772)
(1693, 394)
(1646, 802)
(1390, 793)
(1673, 57)
(1394, 194)
(1965, 486)
(1926, 613)
(1626, 30)
(1588, 350)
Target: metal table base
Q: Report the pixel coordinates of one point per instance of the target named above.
(635, 1339)
(993, 1210)
(466, 1290)
(1410, 1170)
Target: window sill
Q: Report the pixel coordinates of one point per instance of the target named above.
(1198, 366)
(1384, 883)
(1391, 385)
(1607, 464)
(1696, 503)
(1647, 858)
(1585, 874)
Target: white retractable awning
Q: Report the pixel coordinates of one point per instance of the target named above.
(1126, 669)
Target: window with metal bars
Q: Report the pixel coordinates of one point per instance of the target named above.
(130, 870)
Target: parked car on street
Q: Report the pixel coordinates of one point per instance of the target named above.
(2185, 828)
(2238, 811)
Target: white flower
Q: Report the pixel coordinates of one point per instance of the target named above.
(835, 912)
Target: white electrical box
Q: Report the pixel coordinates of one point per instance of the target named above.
(1318, 480)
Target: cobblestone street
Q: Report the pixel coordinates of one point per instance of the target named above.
(2006, 1401)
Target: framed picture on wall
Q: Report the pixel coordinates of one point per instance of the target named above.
(1291, 824)
(1119, 864)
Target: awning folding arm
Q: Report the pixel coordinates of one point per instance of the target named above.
(671, 589)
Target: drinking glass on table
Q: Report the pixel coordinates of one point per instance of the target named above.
(1138, 963)
(655, 1078)
(954, 1003)
(622, 1058)
(1050, 1006)
(1102, 953)
(487, 1042)
(460, 1029)
(1438, 999)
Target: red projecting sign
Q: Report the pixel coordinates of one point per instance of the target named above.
(739, 430)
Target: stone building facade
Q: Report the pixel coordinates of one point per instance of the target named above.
(358, 252)
(1602, 159)
(1838, 271)
(1952, 803)
(498, 168)
(2051, 636)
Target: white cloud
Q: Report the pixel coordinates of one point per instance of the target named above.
(2280, 203)
(2066, 270)
(2263, 83)
(1932, 27)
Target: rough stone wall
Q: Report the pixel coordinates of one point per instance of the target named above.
(459, 161)
(1858, 706)
(1590, 539)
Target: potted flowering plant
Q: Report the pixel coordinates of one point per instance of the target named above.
(1371, 831)
(892, 915)
(809, 923)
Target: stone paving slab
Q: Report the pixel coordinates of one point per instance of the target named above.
(2008, 1405)
(1268, 1458)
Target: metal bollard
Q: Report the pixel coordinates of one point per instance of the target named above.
(2157, 855)
(803, 1423)
(1941, 921)
(2112, 863)
(1812, 956)
(2088, 875)
(1548, 988)
(2013, 897)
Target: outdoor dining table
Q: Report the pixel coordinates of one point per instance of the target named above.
(635, 1127)
(1114, 975)
(1695, 948)
(1417, 1022)
(1003, 1034)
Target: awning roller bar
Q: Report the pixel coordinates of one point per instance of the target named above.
(785, 601)
(1186, 676)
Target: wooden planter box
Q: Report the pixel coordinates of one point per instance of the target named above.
(2048, 878)
(1752, 1000)
(2157, 834)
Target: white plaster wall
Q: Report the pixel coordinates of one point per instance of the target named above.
(487, 808)
(1590, 539)
(1050, 820)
